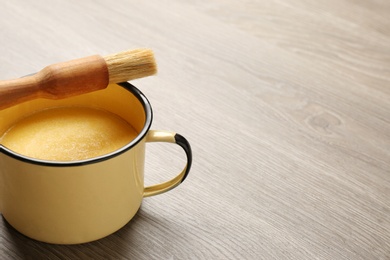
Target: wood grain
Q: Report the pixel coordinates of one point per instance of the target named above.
(286, 106)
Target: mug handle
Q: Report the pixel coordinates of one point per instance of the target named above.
(169, 137)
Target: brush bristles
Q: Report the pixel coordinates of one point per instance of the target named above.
(132, 64)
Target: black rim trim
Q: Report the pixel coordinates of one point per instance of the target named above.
(180, 140)
(148, 122)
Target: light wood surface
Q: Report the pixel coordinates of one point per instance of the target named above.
(286, 105)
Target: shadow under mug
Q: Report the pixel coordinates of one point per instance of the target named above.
(82, 201)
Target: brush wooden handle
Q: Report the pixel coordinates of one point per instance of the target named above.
(57, 81)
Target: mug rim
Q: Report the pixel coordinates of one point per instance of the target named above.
(148, 122)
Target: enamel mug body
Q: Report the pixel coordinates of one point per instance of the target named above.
(81, 201)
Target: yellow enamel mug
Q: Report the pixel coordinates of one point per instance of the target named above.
(81, 201)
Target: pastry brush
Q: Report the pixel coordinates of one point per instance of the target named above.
(76, 77)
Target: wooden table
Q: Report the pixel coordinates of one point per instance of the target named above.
(286, 105)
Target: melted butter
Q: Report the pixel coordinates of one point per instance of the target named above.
(68, 134)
